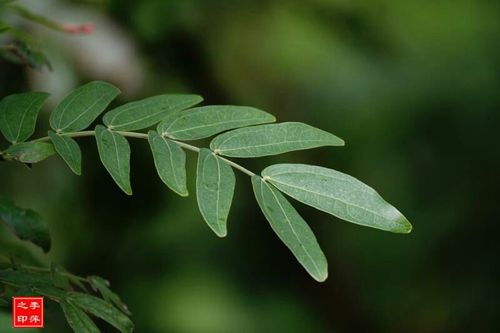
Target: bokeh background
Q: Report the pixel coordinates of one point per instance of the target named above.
(412, 86)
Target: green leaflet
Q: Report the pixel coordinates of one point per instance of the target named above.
(291, 229)
(69, 150)
(78, 320)
(103, 310)
(82, 106)
(49, 291)
(205, 121)
(23, 278)
(170, 162)
(29, 152)
(215, 183)
(114, 152)
(147, 112)
(272, 139)
(18, 115)
(58, 277)
(102, 286)
(26, 224)
(338, 194)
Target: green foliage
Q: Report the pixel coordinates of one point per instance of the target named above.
(338, 194)
(215, 183)
(327, 190)
(291, 228)
(29, 152)
(25, 223)
(82, 106)
(76, 305)
(55, 283)
(114, 151)
(69, 150)
(272, 139)
(103, 310)
(143, 114)
(205, 121)
(78, 320)
(170, 162)
(248, 135)
(18, 115)
(102, 285)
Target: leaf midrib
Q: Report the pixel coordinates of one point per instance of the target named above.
(206, 126)
(291, 226)
(22, 119)
(330, 197)
(81, 114)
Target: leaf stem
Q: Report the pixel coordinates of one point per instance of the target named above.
(137, 135)
(47, 270)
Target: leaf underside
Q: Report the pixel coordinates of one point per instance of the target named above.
(18, 114)
(338, 194)
(82, 106)
(203, 122)
(272, 139)
(291, 229)
(69, 151)
(114, 152)
(147, 112)
(215, 184)
(170, 162)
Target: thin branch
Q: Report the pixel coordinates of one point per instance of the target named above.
(137, 135)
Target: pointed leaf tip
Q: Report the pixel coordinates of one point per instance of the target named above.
(338, 194)
(203, 122)
(170, 162)
(291, 228)
(69, 151)
(215, 182)
(272, 139)
(114, 152)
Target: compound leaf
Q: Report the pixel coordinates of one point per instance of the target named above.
(29, 152)
(82, 106)
(18, 115)
(69, 150)
(291, 229)
(114, 152)
(170, 162)
(338, 194)
(103, 310)
(26, 224)
(205, 121)
(272, 139)
(78, 320)
(215, 183)
(147, 112)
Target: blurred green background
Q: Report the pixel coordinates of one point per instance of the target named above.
(413, 87)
